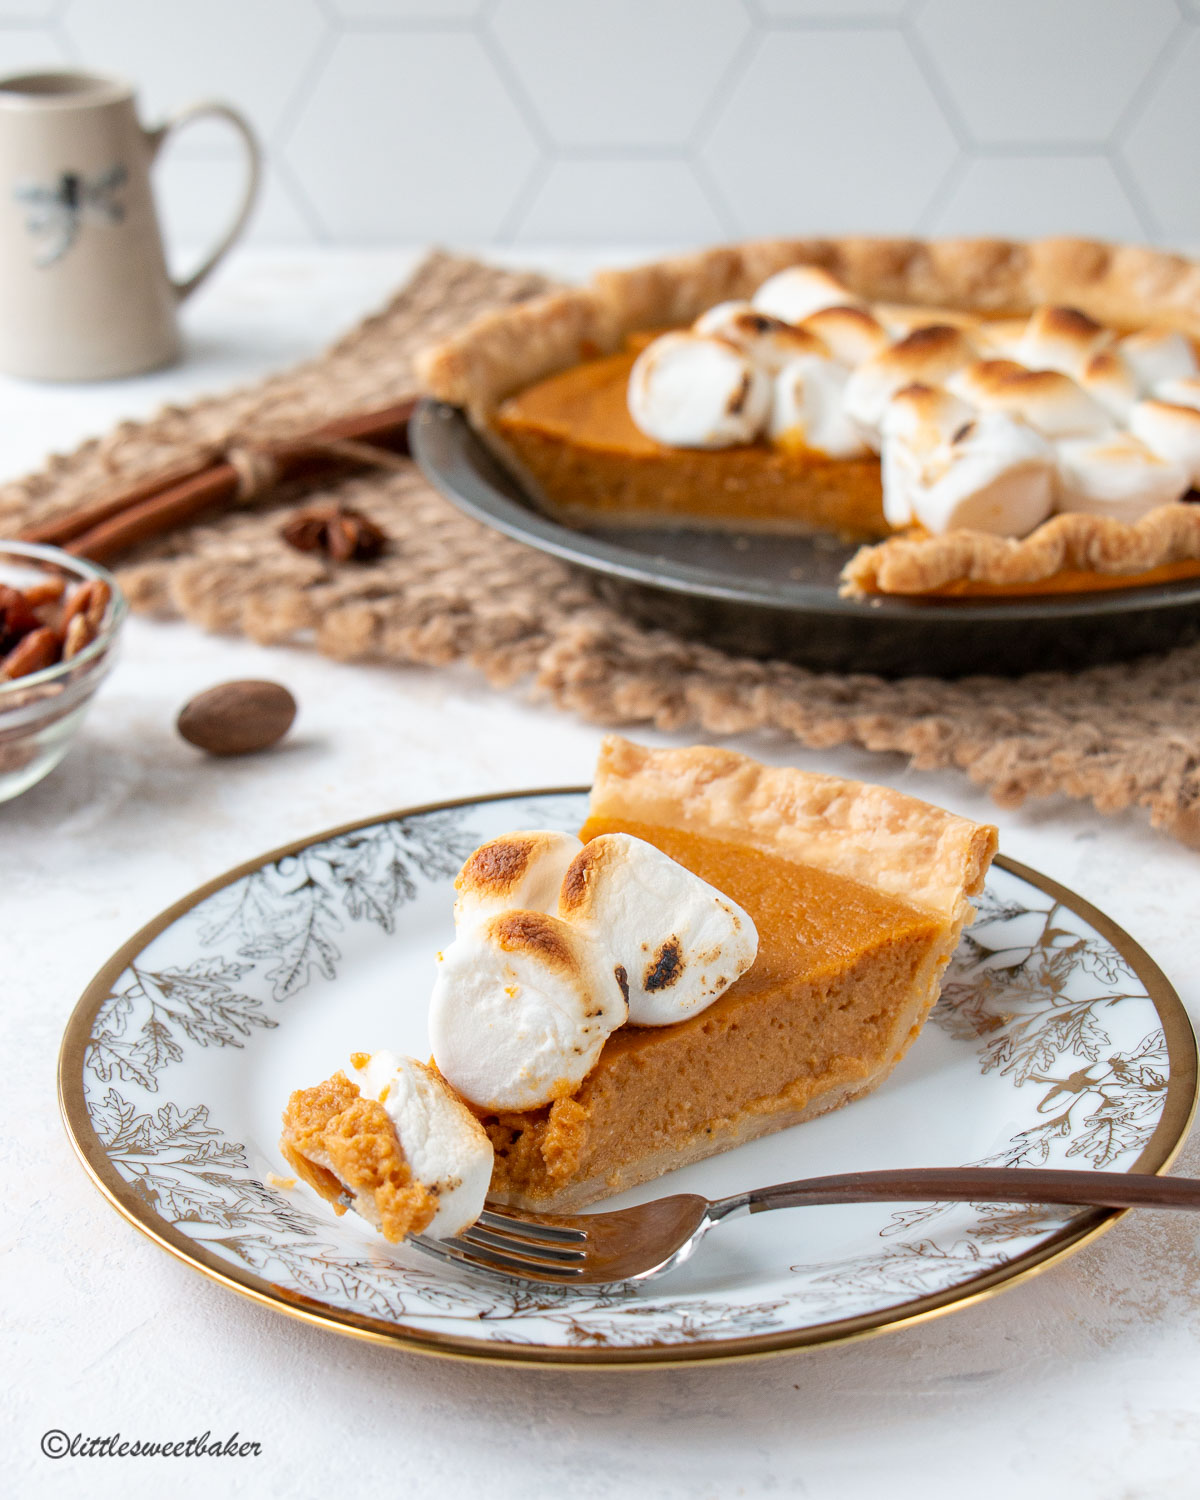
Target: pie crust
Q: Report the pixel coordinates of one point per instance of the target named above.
(1073, 548)
(859, 894)
(1123, 287)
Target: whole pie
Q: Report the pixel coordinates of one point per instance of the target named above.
(988, 417)
(859, 895)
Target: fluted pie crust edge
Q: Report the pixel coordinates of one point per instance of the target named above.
(1123, 286)
(1071, 543)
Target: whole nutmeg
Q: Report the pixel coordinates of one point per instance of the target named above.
(237, 718)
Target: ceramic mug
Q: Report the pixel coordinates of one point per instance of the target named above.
(84, 288)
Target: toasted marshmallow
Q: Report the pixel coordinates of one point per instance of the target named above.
(800, 291)
(924, 416)
(1117, 476)
(680, 942)
(1155, 355)
(446, 1147)
(1182, 392)
(693, 392)
(1171, 431)
(901, 318)
(917, 421)
(927, 357)
(516, 872)
(808, 409)
(1060, 338)
(1108, 379)
(1000, 338)
(850, 334)
(996, 474)
(521, 1007)
(1046, 399)
(766, 341)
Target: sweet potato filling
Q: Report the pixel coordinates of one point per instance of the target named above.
(573, 434)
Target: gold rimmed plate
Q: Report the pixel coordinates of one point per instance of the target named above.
(1057, 1042)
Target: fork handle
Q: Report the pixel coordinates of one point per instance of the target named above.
(975, 1185)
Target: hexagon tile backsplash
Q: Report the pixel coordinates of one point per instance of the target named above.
(655, 122)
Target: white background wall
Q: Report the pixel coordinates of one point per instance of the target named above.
(660, 121)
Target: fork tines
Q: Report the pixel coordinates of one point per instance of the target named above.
(531, 1229)
(514, 1247)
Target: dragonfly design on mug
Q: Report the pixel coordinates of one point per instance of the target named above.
(58, 210)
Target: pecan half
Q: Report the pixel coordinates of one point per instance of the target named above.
(48, 591)
(16, 617)
(79, 633)
(90, 600)
(40, 648)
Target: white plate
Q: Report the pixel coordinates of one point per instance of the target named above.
(1057, 1042)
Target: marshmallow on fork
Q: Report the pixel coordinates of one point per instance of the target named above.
(1117, 476)
(1172, 431)
(991, 473)
(447, 1149)
(396, 1142)
(767, 342)
(800, 291)
(522, 1005)
(680, 942)
(1046, 399)
(808, 409)
(927, 357)
(689, 391)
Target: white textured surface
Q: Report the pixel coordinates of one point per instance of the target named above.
(518, 120)
(1082, 1383)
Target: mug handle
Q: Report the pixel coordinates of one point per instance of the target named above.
(209, 108)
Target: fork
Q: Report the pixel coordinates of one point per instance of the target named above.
(633, 1245)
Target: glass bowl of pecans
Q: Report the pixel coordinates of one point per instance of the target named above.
(59, 619)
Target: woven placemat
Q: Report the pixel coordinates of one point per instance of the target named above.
(449, 589)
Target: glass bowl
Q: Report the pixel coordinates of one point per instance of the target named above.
(40, 712)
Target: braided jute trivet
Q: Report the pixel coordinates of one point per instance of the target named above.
(448, 589)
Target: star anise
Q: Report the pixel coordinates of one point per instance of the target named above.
(340, 532)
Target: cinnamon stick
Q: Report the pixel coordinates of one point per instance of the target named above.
(62, 529)
(152, 507)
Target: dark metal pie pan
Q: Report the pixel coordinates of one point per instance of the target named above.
(776, 596)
